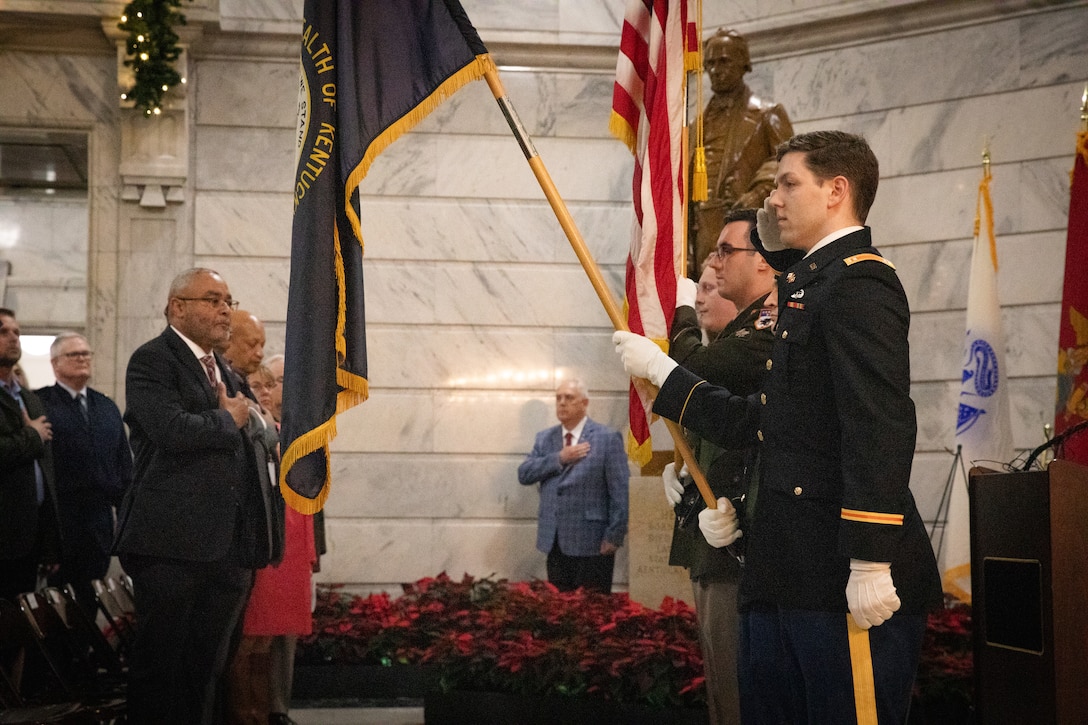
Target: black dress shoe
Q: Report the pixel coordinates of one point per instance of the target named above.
(280, 718)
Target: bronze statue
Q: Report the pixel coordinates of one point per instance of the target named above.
(741, 133)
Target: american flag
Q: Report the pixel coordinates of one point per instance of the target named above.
(648, 115)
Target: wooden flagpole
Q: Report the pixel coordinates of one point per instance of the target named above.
(559, 207)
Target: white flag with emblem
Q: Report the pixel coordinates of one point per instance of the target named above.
(983, 426)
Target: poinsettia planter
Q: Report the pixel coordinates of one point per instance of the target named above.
(511, 637)
(461, 707)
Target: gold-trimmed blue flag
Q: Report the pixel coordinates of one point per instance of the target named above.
(370, 70)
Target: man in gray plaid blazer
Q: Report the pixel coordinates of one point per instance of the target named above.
(582, 471)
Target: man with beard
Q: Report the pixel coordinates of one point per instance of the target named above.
(28, 516)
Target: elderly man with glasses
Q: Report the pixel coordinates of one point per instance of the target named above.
(92, 464)
(191, 528)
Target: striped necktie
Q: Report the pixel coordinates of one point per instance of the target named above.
(209, 367)
(82, 398)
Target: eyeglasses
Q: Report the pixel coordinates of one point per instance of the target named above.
(213, 301)
(77, 355)
(724, 250)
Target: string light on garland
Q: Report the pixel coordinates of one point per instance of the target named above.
(152, 48)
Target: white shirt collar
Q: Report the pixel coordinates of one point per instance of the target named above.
(198, 351)
(576, 431)
(832, 237)
(72, 391)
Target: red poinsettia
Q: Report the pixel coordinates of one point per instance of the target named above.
(947, 664)
(529, 638)
(520, 637)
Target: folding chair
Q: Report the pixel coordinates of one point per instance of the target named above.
(83, 630)
(123, 596)
(73, 661)
(122, 626)
(21, 663)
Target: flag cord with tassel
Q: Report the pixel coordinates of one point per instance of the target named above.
(592, 271)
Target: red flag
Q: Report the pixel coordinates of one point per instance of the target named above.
(648, 115)
(1072, 405)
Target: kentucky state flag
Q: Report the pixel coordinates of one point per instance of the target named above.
(370, 70)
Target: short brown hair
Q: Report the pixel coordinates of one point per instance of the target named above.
(836, 153)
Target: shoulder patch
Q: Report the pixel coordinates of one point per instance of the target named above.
(866, 258)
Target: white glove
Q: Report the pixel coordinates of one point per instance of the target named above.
(686, 289)
(870, 592)
(642, 358)
(674, 490)
(767, 227)
(719, 526)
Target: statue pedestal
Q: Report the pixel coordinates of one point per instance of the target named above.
(651, 578)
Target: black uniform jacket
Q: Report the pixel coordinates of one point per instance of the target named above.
(837, 430)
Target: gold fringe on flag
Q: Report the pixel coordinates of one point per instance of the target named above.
(622, 130)
(355, 388)
(474, 71)
(984, 209)
(700, 188)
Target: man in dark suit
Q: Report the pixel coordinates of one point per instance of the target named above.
(92, 464)
(28, 517)
(188, 535)
(839, 570)
(582, 470)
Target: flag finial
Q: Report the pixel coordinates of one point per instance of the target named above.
(1084, 109)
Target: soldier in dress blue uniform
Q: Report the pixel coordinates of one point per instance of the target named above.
(839, 571)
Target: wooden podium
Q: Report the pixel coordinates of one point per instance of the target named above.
(1029, 578)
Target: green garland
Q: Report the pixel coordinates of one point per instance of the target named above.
(152, 48)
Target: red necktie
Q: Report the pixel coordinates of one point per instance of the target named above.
(209, 367)
(570, 437)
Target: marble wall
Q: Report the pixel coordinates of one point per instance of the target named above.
(44, 240)
(476, 304)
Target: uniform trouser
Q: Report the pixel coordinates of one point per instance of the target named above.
(716, 611)
(796, 667)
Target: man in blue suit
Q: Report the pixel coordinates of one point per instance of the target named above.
(92, 464)
(582, 471)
